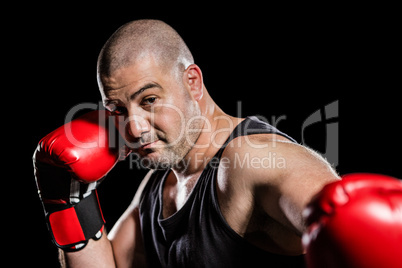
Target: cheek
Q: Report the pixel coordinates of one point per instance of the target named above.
(172, 116)
(169, 119)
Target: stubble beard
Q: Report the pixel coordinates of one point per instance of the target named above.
(173, 153)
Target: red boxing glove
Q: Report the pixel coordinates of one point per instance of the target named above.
(356, 222)
(68, 163)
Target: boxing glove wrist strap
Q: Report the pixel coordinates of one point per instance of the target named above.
(72, 227)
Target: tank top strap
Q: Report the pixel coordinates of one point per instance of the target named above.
(252, 125)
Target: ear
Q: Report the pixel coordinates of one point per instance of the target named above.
(192, 78)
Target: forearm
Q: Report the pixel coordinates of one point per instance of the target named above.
(95, 254)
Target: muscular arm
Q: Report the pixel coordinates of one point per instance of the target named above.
(122, 247)
(290, 188)
(281, 177)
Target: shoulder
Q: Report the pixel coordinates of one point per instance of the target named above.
(278, 175)
(125, 236)
(253, 152)
(266, 158)
(137, 197)
(131, 216)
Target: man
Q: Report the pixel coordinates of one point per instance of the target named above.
(222, 191)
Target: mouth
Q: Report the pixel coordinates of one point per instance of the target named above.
(148, 145)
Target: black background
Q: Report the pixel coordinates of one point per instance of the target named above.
(288, 61)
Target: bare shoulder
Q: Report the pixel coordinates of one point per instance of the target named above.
(140, 189)
(269, 158)
(274, 173)
(125, 235)
(132, 208)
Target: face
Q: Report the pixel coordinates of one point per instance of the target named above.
(155, 111)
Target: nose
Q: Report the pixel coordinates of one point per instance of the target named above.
(137, 125)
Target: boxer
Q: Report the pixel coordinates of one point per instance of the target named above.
(213, 197)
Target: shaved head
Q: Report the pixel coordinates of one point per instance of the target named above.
(146, 74)
(138, 39)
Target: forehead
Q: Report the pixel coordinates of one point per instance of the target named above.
(127, 77)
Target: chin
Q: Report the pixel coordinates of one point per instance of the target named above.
(155, 160)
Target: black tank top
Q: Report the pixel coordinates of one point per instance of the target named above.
(197, 235)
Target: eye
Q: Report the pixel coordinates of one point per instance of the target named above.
(119, 110)
(148, 101)
(116, 110)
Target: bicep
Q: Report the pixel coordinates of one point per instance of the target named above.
(284, 191)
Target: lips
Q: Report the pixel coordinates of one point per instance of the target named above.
(142, 143)
(148, 145)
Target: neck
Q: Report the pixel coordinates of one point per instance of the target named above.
(217, 127)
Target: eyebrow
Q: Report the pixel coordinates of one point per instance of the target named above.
(143, 88)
